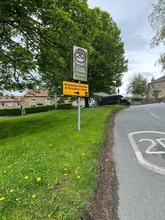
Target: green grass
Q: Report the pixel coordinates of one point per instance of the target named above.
(48, 169)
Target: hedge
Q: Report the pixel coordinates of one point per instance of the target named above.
(17, 112)
(10, 112)
(46, 108)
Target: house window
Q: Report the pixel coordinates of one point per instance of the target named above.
(9, 103)
(18, 104)
(33, 99)
(152, 94)
(48, 99)
(152, 86)
(32, 105)
(1, 103)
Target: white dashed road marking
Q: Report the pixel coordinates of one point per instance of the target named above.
(153, 115)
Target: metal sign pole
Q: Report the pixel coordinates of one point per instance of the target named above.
(79, 100)
(79, 118)
(79, 71)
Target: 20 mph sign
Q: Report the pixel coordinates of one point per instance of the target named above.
(79, 63)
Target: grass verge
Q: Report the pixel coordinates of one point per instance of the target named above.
(48, 169)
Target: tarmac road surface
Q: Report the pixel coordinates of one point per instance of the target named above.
(139, 155)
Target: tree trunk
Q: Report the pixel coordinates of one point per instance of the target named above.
(86, 102)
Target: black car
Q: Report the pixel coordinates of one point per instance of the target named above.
(114, 99)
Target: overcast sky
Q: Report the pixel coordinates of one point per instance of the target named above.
(131, 17)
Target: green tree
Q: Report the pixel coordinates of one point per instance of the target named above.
(107, 62)
(36, 40)
(19, 41)
(28, 30)
(138, 85)
(69, 24)
(157, 21)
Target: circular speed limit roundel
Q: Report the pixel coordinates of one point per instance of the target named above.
(80, 55)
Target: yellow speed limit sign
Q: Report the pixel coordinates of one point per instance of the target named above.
(75, 89)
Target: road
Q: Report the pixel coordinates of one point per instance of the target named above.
(139, 155)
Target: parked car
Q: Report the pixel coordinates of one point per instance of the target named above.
(114, 99)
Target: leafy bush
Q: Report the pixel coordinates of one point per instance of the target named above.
(31, 110)
(10, 112)
(38, 109)
(46, 108)
(64, 106)
(136, 98)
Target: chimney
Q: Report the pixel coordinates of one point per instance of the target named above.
(153, 79)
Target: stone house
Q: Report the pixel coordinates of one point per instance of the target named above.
(30, 99)
(37, 98)
(8, 102)
(156, 89)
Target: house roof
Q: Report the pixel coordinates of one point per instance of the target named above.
(161, 79)
(40, 93)
(102, 94)
(10, 99)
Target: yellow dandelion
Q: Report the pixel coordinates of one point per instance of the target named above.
(65, 168)
(78, 177)
(16, 199)
(12, 190)
(2, 198)
(33, 196)
(76, 171)
(38, 179)
(4, 171)
(48, 216)
(26, 177)
(65, 174)
(9, 166)
(83, 154)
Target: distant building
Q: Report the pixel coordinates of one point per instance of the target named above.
(37, 98)
(30, 99)
(156, 88)
(7, 102)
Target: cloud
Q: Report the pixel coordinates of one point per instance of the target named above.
(135, 43)
(131, 17)
(132, 38)
(147, 75)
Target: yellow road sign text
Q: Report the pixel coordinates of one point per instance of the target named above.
(75, 89)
